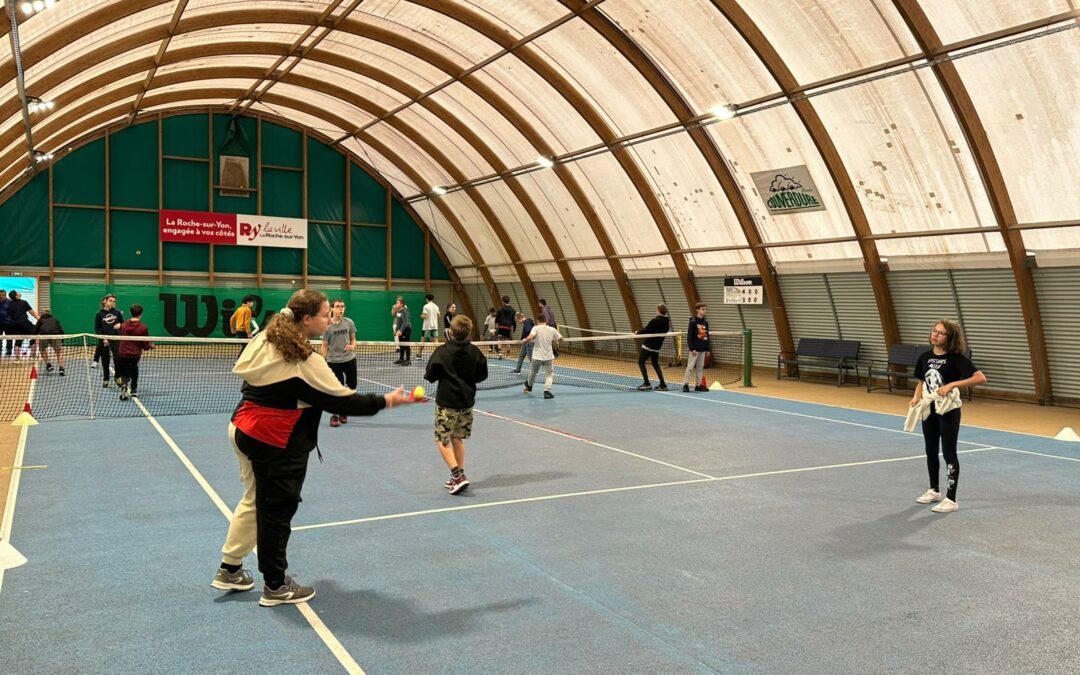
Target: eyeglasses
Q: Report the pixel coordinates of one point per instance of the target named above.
(939, 332)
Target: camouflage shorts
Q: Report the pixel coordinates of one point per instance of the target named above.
(452, 423)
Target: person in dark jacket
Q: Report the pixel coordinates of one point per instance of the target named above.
(447, 317)
(402, 332)
(505, 322)
(47, 326)
(5, 325)
(287, 386)
(650, 348)
(697, 341)
(107, 323)
(19, 313)
(527, 348)
(458, 366)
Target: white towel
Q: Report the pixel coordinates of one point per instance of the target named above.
(942, 404)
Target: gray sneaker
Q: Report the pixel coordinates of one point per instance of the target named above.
(290, 593)
(224, 580)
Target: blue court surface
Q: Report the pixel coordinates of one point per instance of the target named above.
(604, 532)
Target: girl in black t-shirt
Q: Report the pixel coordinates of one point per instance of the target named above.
(940, 370)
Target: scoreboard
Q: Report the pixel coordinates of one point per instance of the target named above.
(743, 291)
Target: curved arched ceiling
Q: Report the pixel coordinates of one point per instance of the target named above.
(930, 128)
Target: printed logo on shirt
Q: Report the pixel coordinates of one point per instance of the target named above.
(933, 378)
(702, 332)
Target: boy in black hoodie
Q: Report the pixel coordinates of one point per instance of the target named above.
(697, 341)
(457, 366)
(650, 348)
(49, 325)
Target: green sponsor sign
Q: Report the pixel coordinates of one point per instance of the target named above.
(173, 311)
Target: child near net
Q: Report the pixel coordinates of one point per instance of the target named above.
(543, 355)
(130, 352)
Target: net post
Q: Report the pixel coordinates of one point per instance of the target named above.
(89, 377)
(747, 357)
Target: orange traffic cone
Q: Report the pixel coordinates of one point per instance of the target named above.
(33, 372)
(24, 419)
(703, 382)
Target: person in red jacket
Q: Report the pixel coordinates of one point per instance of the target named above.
(287, 386)
(130, 351)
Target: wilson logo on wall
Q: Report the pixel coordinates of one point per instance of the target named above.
(788, 190)
(231, 229)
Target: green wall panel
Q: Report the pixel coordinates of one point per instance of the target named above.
(24, 225)
(282, 146)
(326, 182)
(185, 135)
(186, 185)
(326, 250)
(133, 240)
(186, 257)
(369, 252)
(283, 261)
(79, 237)
(133, 166)
(438, 270)
(238, 259)
(205, 312)
(247, 204)
(79, 178)
(282, 195)
(407, 245)
(368, 198)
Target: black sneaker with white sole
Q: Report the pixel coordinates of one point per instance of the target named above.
(290, 593)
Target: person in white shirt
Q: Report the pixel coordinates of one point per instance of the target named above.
(543, 355)
(430, 326)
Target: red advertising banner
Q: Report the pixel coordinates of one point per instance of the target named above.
(231, 229)
(196, 227)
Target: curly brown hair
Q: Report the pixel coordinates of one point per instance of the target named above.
(954, 337)
(287, 333)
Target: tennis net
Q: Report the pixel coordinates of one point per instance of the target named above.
(184, 376)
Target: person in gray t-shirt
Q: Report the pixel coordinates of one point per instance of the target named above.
(339, 350)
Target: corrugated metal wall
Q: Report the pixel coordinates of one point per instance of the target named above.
(558, 299)
(853, 299)
(921, 298)
(592, 293)
(1057, 288)
(810, 310)
(994, 325)
(758, 318)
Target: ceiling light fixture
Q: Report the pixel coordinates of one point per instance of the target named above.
(723, 112)
(545, 162)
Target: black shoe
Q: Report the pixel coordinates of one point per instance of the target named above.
(645, 387)
(662, 387)
(528, 389)
(48, 368)
(406, 362)
(686, 387)
(62, 373)
(105, 384)
(548, 394)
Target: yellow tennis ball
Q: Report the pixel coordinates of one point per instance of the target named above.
(418, 393)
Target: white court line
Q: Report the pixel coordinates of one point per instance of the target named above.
(13, 492)
(627, 488)
(570, 436)
(524, 500)
(13, 486)
(324, 633)
(593, 443)
(859, 424)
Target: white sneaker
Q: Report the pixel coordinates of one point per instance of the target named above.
(929, 496)
(947, 506)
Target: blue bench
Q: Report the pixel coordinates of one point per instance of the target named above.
(826, 353)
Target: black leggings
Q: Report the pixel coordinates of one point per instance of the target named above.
(644, 355)
(106, 354)
(345, 372)
(944, 429)
(279, 477)
(405, 350)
